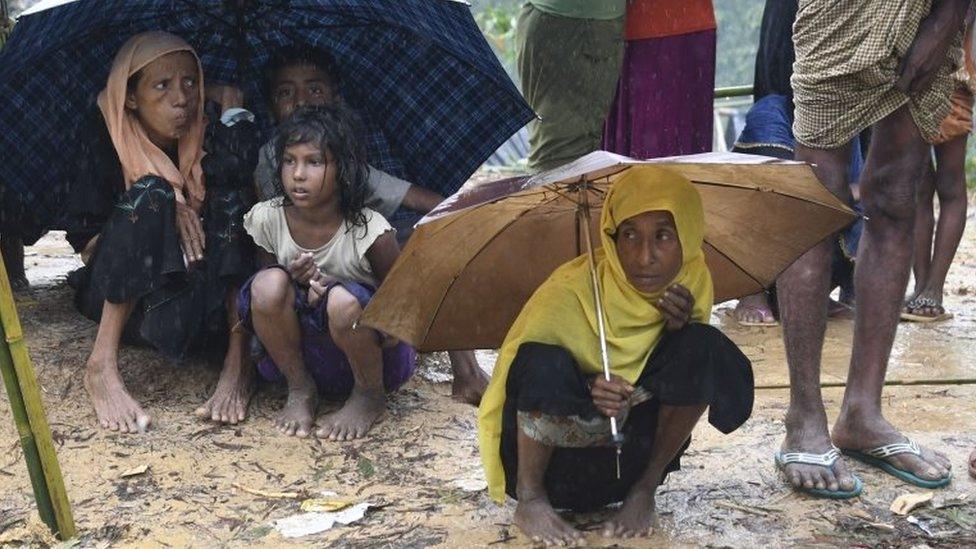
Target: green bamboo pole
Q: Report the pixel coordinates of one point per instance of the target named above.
(28, 412)
(34, 468)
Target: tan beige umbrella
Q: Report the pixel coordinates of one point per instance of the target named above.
(470, 266)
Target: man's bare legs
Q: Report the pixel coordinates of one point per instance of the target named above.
(276, 325)
(802, 293)
(972, 464)
(115, 408)
(894, 163)
(636, 517)
(931, 266)
(470, 381)
(236, 384)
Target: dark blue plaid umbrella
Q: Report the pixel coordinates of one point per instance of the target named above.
(433, 95)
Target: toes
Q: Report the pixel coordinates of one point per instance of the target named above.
(202, 412)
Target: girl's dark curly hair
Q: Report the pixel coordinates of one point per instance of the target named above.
(337, 130)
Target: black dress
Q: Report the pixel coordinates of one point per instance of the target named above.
(138, 254)
(695, 365)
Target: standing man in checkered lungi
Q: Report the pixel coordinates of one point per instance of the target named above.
(886, 63)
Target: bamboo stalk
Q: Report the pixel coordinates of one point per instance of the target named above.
(22, 383)
(34, 468)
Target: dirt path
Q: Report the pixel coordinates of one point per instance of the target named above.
(419, 464)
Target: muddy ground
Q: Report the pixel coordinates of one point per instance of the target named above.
(420, 467)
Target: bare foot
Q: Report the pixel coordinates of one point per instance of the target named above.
(754, 309)
(298, 413)
(536, 518)
(115, 408)
(972, 464)
(859, 432)
(356, 416)
(232, 395)
(635, 519)
(470, 381)
(813, 439)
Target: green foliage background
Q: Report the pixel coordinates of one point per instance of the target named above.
(738, 38)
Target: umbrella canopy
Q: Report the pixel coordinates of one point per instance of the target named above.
(471, 265)
(434, 97)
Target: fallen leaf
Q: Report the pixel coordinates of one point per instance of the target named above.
(949, 500)
(319, 505)
(135, 471)
(904, 503)
(365, 467)
(272, 495)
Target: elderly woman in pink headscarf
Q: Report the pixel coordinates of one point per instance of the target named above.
(155, 208)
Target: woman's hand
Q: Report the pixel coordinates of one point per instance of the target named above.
(676, 305)
(192, 238)
(303, 269)
(611, 397)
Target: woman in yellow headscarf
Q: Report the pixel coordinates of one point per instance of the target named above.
(543, 422)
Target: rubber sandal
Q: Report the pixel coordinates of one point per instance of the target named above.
(875, 457)
(771, 324)
(826, 460)
(920, 302)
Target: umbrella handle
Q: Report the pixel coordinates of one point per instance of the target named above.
(584, 212)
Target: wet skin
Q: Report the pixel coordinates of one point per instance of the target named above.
(896, 159)
(309, 178)
(650, 254)
(304, 84)
(932, 262)
(165, 102)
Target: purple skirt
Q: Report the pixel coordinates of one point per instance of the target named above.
(324, 359)
(665, 96)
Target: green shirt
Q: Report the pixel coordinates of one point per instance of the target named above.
(583, 9)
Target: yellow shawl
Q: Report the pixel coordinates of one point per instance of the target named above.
(562, 312)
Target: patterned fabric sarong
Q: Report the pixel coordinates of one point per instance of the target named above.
(847, 60)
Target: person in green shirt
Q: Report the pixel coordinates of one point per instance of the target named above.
(569, 55)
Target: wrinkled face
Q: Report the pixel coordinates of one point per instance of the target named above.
(308, 175)
(298, 86)
(649, 250)
(166, 97)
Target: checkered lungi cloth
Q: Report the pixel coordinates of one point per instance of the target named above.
(847, 59)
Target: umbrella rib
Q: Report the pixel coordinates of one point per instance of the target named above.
(475, 256)
(732, 261)
(844, 208)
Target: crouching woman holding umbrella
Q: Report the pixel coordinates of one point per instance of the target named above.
(545, 420)
(155, 207)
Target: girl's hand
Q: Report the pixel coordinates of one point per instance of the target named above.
(192, 238)
(316, 291)
(676, 305)
(318, 287)
(611, 397)
(303, 269)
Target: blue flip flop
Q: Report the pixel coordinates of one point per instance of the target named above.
(875, 457)
(825, 460)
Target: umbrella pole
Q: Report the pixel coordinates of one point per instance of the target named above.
(583, 210)
(28, 412)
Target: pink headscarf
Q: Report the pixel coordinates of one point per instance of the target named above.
(138, 155)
